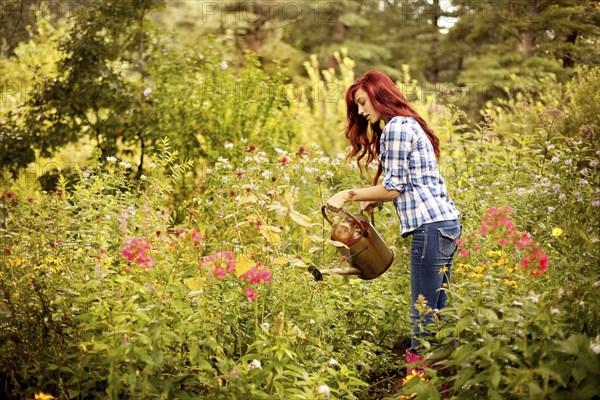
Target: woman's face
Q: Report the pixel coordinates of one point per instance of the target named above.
(365, 108)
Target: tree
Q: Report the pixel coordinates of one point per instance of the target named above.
(99, 84)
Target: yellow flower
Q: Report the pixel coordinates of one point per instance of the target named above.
(493, 253)
(500, 262)
(43, 396)
(510, 282)
(412, 375)
(443, 270)
(556, 232)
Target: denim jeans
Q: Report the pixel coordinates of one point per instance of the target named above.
(433, 247)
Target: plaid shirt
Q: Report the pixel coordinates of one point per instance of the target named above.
(410, 167)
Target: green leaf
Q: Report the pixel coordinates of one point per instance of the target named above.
(300, 219)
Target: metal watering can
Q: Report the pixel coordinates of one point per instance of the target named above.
(365, 250)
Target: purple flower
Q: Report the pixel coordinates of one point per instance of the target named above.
(147, 91)
(596, 203)
(556, 187)
(555, 159)
(584, 171)
(224, 65)
(569, 161)
(583, 182)
(593, 163)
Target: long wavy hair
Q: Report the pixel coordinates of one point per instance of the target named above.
(386, 100)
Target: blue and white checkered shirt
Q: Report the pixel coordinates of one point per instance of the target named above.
(410, 167)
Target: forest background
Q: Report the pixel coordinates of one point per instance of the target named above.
(164, 164)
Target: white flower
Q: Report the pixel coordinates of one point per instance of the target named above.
(312, 321)
(266, 325)
(143, 177)
(111, 159)
(125, 164)
(554, 311)
(534, 298)
(147, 91)
(595, 345)
(254, 364)
(550, 209)
(229, 145)
(224, 65)
(324, 389)
(332, 361)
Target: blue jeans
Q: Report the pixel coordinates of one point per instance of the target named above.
(433, 247)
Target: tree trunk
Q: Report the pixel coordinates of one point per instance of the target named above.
(256, 36)
(568, 61)
(528, 36)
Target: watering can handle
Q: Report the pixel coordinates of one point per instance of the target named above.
(348, 214)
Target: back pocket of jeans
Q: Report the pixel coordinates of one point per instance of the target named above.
(447, 238)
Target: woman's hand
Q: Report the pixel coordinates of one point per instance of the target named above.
(336, 202)
(368, 206)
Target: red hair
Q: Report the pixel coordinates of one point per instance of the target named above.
(388, 101)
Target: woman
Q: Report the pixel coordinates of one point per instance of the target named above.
(407, 150)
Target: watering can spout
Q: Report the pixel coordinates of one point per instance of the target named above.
(318, 274)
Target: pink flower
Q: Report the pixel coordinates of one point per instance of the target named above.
(230, 266)
(493, 211)
(137, 250)
(503, 242)
(524, 242)
(196, 237)
(250, 293)
(145, 260)
(265, 276)
(483, 230)
(256, 276)
(464, 253)
(219, 272)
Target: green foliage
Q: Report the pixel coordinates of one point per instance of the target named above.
(116, 287)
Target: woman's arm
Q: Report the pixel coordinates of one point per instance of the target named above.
(369, 194)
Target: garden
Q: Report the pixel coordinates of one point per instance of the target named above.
(158, 224)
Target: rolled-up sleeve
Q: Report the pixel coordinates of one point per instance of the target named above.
(395, 147)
